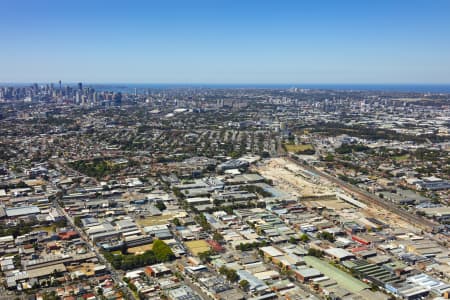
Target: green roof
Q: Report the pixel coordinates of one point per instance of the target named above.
(342, 278)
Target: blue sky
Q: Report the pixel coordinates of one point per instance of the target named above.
(214, 41)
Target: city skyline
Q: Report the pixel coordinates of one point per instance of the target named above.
(203, 42)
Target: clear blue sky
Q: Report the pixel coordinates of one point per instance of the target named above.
(214, 41)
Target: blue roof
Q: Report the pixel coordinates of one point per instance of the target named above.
(255, 283)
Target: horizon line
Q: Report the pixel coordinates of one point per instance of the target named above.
(224, 83)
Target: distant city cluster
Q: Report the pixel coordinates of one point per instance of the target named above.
(63, 94)
(191, 193)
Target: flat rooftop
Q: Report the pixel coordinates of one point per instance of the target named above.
(343, 279)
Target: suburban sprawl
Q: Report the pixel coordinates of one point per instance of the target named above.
(189, 193)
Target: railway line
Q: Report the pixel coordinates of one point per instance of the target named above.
(370, 199)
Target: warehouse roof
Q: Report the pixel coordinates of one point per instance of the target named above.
(307, 272)
(339, 253)
(272, 251)
(343, 279)
(22, 211)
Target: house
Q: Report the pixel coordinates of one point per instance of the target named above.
(157, 270)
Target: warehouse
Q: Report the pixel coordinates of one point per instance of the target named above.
(305, 274)
(22, 211)
(339, 254)
(376, 274)
(14, 277)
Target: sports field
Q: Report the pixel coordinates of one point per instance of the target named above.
(196, 247)
(140, 249)
(154, 220)
(296, 148)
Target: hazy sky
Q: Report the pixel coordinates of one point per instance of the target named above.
(213, 41)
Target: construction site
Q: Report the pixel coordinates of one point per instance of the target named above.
(313, 190)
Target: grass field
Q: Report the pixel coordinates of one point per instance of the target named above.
(196, 247)
(296, 148)
(140, 249)
(401, 157)
(155, 220)
(50, 229)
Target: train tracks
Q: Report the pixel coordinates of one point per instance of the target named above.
(370, 199)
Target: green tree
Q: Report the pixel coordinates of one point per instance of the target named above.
(244, 284)
(77, 221)
(201, 220)
(17, 261)
(325, 235)
(160, 205)
(315, 252)
(176, 221)
(205, 257)
(329, 157)
(50, 296)
(304, 238)
(162, 251)
(230, 274)
(217, 237)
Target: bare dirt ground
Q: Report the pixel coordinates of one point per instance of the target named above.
(294, 180)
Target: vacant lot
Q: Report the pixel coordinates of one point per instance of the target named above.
(196, 247)
(333, 204)
(401, 157)
(50, 229)
(298, 148)
(154, 220)
(293, 179)
(140, 249)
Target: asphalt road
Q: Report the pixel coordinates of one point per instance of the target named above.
(114, 274)
(189, 282)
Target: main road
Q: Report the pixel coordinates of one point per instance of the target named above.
(114, 274)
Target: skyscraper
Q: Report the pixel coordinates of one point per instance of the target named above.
(117, 98)
(77, 97)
